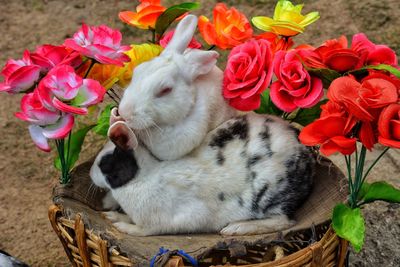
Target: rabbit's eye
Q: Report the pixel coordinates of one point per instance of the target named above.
(164, 92)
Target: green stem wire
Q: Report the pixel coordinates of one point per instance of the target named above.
(374, 163)
(68, 148)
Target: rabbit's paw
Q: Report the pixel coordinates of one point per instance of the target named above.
(109, 203)
(254, 227)
(115, 216)
(130, 229)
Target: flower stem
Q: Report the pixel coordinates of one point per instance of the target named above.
(64, 165)
(92, 62)
(374, 163)
(211, 47)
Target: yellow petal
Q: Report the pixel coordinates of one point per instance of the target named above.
(286, 28)
(263, 23)
(310, 18)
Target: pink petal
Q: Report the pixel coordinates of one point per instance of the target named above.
(61, 129)
(313, 97)
(38, 138)
(280, 98)
(67, 108)
(4, 87)
(90, 93)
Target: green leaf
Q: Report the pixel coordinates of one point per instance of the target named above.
(76, 142)
(171, 14)
(349, 224)
(379, 191)
(267, 106)
(307, 116)
(326, 75)
(103, 122)
(385, 67)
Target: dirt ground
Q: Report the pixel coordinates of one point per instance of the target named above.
(27, 175)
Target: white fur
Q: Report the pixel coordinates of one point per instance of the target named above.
(173, 125)
(182, 196)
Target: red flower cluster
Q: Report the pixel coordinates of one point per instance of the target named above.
(367, 111)
(336, 55)
(55, 92)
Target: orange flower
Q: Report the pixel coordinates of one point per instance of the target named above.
(228, 29)
(277, 43)
(146, 14)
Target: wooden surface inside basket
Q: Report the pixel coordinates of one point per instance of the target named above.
(84, 199)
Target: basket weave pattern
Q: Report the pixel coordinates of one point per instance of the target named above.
(85, 248)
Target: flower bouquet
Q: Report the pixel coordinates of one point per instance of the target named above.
(340, 94)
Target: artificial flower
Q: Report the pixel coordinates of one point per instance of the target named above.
(49, 56)
(45, 123)
(287, 19)
(330, 133)
(389, 126)
(19, 75)
(294, 87)
(168, 36)
(373, 54)
(146, 14)
(106, 75)
(336, 55)
(359, 98)
(66, 91)
(277, 43)
(247, 74)
(100, 43)
(228, 29)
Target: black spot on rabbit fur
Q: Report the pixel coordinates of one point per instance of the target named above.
(253, 160)
(221, 196)
(258, 197)
(118, 167)
(220, 158)
(238, 129)
(299, 179)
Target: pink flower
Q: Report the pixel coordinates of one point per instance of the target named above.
(49, 56)
(45, 123)
(168, 36)
(294, 87)
(373, 54)
(101, 43)
(19, 75)
(247, 74)
(66, 91)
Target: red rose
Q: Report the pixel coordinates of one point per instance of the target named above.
(330, 134)
(247, 74)
(389, 126)
(294, 87)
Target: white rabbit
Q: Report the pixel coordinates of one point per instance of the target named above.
(247, 177)
(175, 99)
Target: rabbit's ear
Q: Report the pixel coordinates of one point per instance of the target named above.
(183, 35)
(122, 136)
(199, 62)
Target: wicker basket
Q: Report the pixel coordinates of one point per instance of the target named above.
(90, 240)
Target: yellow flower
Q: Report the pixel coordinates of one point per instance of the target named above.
(287, 20)
(138, 54)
